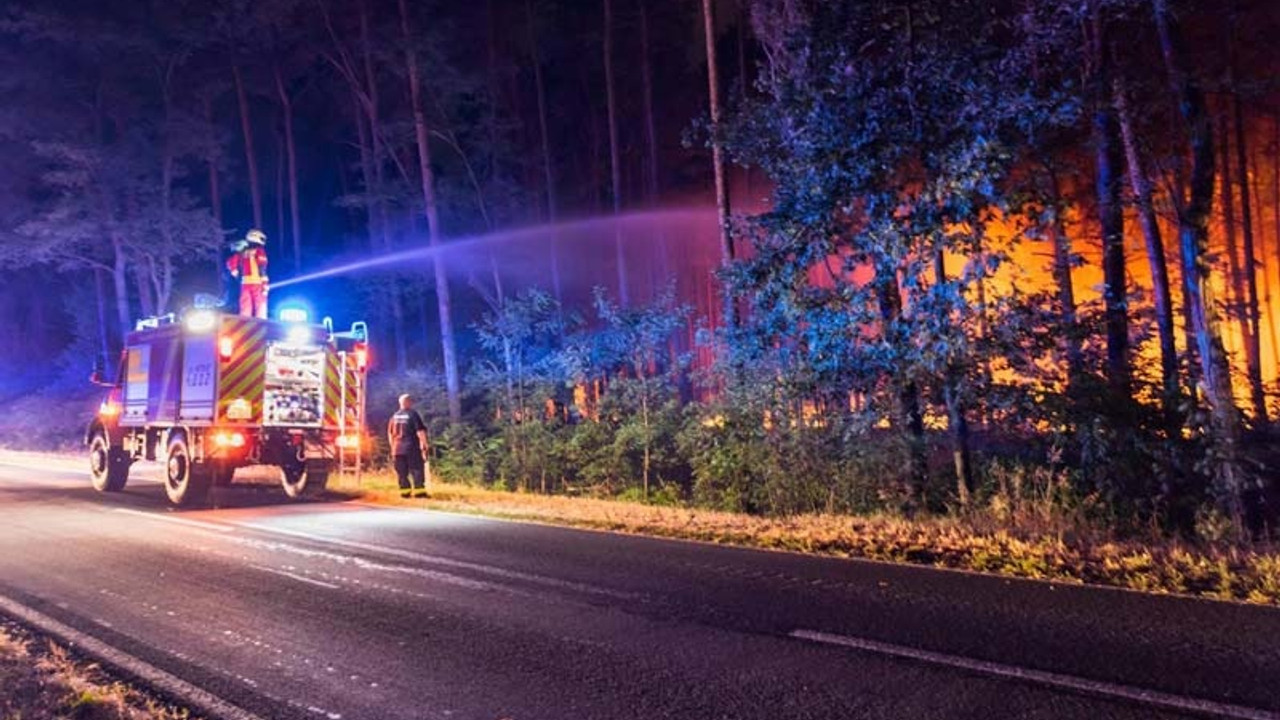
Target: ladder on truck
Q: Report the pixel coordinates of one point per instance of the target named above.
(351, 460)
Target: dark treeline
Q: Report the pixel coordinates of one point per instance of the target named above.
(1022, 241)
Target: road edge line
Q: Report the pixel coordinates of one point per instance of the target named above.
(197, 699)
(1095, 688)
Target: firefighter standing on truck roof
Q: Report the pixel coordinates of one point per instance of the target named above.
(249, 266)
(408, 437)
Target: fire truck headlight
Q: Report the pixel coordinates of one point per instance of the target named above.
(348, 442)
(200, 321)
(226, 439)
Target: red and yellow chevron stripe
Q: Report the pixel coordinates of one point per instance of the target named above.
(335, 366)
(241, 376)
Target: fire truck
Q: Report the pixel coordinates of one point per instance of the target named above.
(206, 392)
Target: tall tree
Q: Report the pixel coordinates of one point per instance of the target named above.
(291, 155)
(250, 156)
(444, 303)
(717, 155)
(544, 146)
(1195, 202)
(1253, 320)
(1140, 186)
(1110, 212)
(615, 157)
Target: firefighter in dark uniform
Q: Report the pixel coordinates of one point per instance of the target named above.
(407, 435)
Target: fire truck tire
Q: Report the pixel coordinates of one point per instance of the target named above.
(299, 482)
(186, 482)
(108, 466)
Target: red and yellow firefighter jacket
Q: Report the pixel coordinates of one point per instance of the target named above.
(250, 265)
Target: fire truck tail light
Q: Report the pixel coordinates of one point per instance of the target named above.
(228, 439)
(226, 346)
(362, 356)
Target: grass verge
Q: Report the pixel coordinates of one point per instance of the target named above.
(1227, 572)
(40, 679)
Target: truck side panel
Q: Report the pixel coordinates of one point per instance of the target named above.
(137, 383)
(199, 368)
(166, 380)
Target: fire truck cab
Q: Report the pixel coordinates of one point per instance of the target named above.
(208, 392)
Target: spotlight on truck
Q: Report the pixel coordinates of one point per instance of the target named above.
(200, 321)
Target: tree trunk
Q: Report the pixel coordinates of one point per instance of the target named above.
(1275, 192)
(443, 300)
(1141, 187)
(1253, 318)
(1110, 212)
(104, 341)
(1237, 297)
(957, 420)
(377, 189)
(250, 157)
(166, 199)
(615, 159)
(743, 20)
(717, 156)
(908, 413)
(120, 284)
(142, 283)
(281, 239)
(544, 141)
(650, 129)
(1062, 260)
(1193, 240)
(291, 154)
(211, 159)
(1275, 213)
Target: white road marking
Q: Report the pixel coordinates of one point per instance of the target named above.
(1154, 698)
(198, 699)
(447, 562)
(295, 576)
(217, 527)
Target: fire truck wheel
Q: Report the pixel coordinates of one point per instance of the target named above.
(299, 482)
(186, 483)
(108, 466)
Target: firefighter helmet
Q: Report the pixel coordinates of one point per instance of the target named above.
(256, 237)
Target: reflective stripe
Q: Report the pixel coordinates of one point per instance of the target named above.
(252, 275)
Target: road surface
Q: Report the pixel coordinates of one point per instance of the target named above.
(258, 608)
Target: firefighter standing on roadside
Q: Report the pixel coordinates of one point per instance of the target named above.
(249, 266)
(407, 435)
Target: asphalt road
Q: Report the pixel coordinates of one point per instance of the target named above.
(340, 610)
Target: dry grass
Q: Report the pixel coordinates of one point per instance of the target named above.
(1161, 566)
(38, 679)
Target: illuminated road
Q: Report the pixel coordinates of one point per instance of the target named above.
(337, 610)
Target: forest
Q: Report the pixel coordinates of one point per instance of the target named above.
(766, 256)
